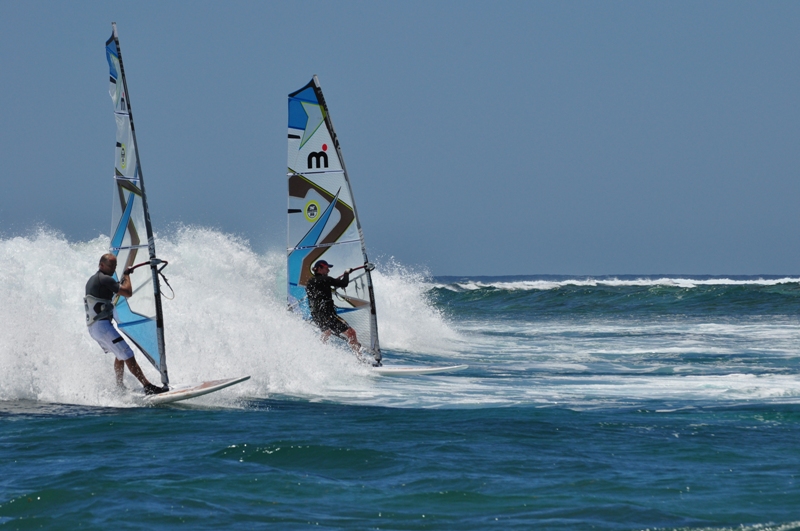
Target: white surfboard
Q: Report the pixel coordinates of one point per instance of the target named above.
(186, 392)
(415, 370)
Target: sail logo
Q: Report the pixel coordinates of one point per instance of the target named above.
(318, 156)
(312, 211)
(123, 159)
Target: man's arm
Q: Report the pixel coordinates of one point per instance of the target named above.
(342, 281)
(125, 288)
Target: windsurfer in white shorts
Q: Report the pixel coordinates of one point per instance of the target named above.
(100, 290)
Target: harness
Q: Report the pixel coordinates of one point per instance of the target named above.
(97, 309)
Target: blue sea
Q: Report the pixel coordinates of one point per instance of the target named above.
(652, 402)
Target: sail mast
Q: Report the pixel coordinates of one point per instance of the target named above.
(161, 366)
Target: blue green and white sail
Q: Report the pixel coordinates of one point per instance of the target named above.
(138, 317)
(323, 220)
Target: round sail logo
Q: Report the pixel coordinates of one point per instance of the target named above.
(312, 211)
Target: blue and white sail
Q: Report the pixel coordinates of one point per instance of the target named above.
(138, 317)
(323, 220)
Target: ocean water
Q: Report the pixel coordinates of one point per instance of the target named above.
(620, 403)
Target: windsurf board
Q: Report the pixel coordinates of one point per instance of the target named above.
(415, 370)
(186, 392)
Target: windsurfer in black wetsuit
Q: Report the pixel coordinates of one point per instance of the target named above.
(320, 301)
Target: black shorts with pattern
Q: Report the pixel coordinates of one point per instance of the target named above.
(333, 323)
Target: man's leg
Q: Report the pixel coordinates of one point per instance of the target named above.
(109, 338)
(133, 366)
(110, 341)
(341, 328)
(119, 368)
(114, 342)
(352, 339)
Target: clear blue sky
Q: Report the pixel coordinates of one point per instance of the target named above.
(481, 137)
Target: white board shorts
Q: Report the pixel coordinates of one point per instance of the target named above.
(104, 333)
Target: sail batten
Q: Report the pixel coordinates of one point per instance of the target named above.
(323, 221)
(138, 317)
(323, 246)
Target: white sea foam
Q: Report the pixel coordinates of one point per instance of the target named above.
(228, 318)
(408, 321)
(594, 363)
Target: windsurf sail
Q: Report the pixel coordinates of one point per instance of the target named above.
(323, 220)
(138, 317)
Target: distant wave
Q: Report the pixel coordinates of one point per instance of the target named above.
(533, 283)
(537, 298)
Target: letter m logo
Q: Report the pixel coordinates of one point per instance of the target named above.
(317, 156)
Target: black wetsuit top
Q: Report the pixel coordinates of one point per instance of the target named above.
(320, 299)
